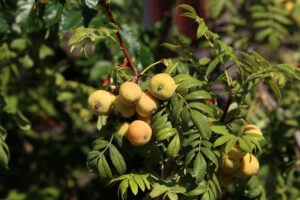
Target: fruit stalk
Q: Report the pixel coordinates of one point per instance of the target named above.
(123, 47)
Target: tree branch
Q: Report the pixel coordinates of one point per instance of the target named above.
(123, 48)
(226, 108)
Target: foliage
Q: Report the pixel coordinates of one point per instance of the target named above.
(46, 128)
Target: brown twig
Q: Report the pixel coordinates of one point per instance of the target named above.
(123, 48)
(226, 108)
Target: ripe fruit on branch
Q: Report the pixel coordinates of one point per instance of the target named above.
(139, 133)
(250, 128)
(162, 86)
(123, 129)
(122, 109)
(100, 102)
(229, 165)
(130, 92)
(235, 153)
(250, 166)
(146, 105)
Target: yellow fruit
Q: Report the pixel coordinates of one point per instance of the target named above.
(146, 105)
(250, 128)
(235, 153)
(228, 165)
(162, 86)
(130, 92)
(224, 179)
(123, 129)
(183, 92)
(139, 133)
(250, 166)
(100, 102)
(145, 119)
(122, 109)
(289, 7)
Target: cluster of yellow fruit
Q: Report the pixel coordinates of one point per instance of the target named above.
(238, 163)
(131, 100)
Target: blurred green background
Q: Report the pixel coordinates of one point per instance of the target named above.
(44, 88)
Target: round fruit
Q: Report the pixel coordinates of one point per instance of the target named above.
(146, 105)
(100, 102)
(235, 153)
(162, 86)
(139, 133)
(250, 128)
(289, 7)
(122, 109)
(228, 165)
(130, 92)
(250, 166)
(123, 129)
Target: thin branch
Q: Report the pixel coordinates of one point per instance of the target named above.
(226, 108)
(123, 48)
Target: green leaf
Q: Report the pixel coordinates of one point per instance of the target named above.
(202, 107)
(102, 120)
(3, 133)
(171, 65)
(210, 155)
(187, 84)
(190, 139)
(147, 183)
(3, 25)
(189, 156)
(177, 105)
(158, 190)
(230, 144)
(275, 89)
(22, 122)
(91, 3)
(177, 189)
(212, 65)
(52, 13)
(71, 19)
(264, 33)
(4, 156)
(99, 144)
(199, 94)
(139, 180)
(200, 189)
(182, 77)
(174, 147)
(117, 159)
(199, 167)
(220, 129)
(24, 7)
(201, 123)
(202, 28)
(103, 168)
(244, 145)
(92, 161)
(188, 7)
(133, 186)
(123, 188)
(172, 196)
(165, 133)
(221, 140)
